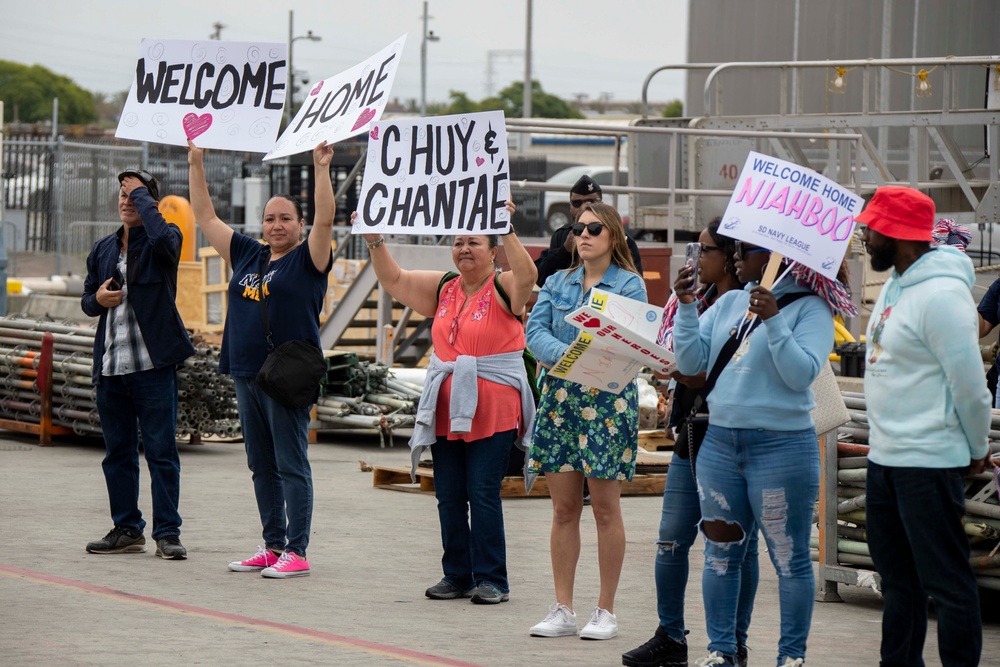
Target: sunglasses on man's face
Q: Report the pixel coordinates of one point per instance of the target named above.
(577, 203)
(745, 249)
(593, 228)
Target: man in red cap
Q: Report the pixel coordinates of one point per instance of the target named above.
(929, 415)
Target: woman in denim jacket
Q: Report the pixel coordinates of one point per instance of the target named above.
(583, 432)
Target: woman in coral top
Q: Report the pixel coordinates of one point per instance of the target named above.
(474, 378)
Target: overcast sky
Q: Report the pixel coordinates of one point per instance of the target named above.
(584, 46)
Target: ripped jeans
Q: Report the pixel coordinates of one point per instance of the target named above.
(678, 531)
(771, 478)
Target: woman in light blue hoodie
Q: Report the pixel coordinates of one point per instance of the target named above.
(759, 461)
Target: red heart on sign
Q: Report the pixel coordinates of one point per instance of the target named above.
(195, 125)
(479, 161)
(364, 118)
(318, 87)
(374, 134)
(592, 323)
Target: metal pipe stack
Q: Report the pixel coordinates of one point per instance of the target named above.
(982, 506)
(362, 396)
(206, 400)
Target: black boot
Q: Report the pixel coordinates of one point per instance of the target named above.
(660, 651)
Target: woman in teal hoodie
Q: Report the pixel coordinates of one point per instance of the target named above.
(759, 462)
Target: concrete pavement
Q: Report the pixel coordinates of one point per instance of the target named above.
(373, 552)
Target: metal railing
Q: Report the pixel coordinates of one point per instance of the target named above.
(868, 66)
(676, 187)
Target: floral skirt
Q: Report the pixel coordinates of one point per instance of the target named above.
(586, 429)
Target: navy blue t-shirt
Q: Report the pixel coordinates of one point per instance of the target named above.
(989, 307)
(293, 293)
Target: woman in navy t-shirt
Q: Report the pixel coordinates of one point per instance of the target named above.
(291, 277)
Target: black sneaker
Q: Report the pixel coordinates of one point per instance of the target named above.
(170, 548)
(120, 540)
(660, 651)
(445, 591)
(742, 655)
(489, 594)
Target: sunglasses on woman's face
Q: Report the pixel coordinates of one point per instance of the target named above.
(593, 228)
(745, 249)
(706, 248)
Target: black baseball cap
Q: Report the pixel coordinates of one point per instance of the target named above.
(146, 178)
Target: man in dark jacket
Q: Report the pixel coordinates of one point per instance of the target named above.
(559, 254)
(131, 285)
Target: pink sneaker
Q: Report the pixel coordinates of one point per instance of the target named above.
(263, 558)
(289, 565)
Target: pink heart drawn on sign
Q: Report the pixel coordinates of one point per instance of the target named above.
(195, 125)
(479, 161)
(592, 323)
(318, 87)
(374, 134)
(364, 118)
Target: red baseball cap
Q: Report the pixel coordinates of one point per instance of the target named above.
(900, 213)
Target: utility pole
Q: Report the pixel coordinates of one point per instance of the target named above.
(290, 90)
(290, 86)
(426, 36)
(526, 106)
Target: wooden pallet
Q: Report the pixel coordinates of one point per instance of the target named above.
(398, 479)
(655, 440)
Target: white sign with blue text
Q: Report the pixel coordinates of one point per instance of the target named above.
(794, 211)
(446, 175)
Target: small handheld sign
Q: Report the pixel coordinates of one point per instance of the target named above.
(793, 211)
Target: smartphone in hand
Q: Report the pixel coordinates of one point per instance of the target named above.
(692, 255)
(116, 281)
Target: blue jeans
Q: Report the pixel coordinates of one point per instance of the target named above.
(276, 440)
(771, 479)
(144, 400)
(920, 549)
(678, 530)
(467, 478)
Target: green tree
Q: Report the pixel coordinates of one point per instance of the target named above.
(543, 105)
(674, 109)
(32, 89)
(460, 103)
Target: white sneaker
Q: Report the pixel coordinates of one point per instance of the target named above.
(713, 658)
(561, 622)
(794, 662)
(602, 625)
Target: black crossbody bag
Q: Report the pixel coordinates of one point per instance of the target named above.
(694, 426)
(292, 371)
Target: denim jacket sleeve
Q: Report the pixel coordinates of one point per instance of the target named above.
(539, 331)
(634, 287)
